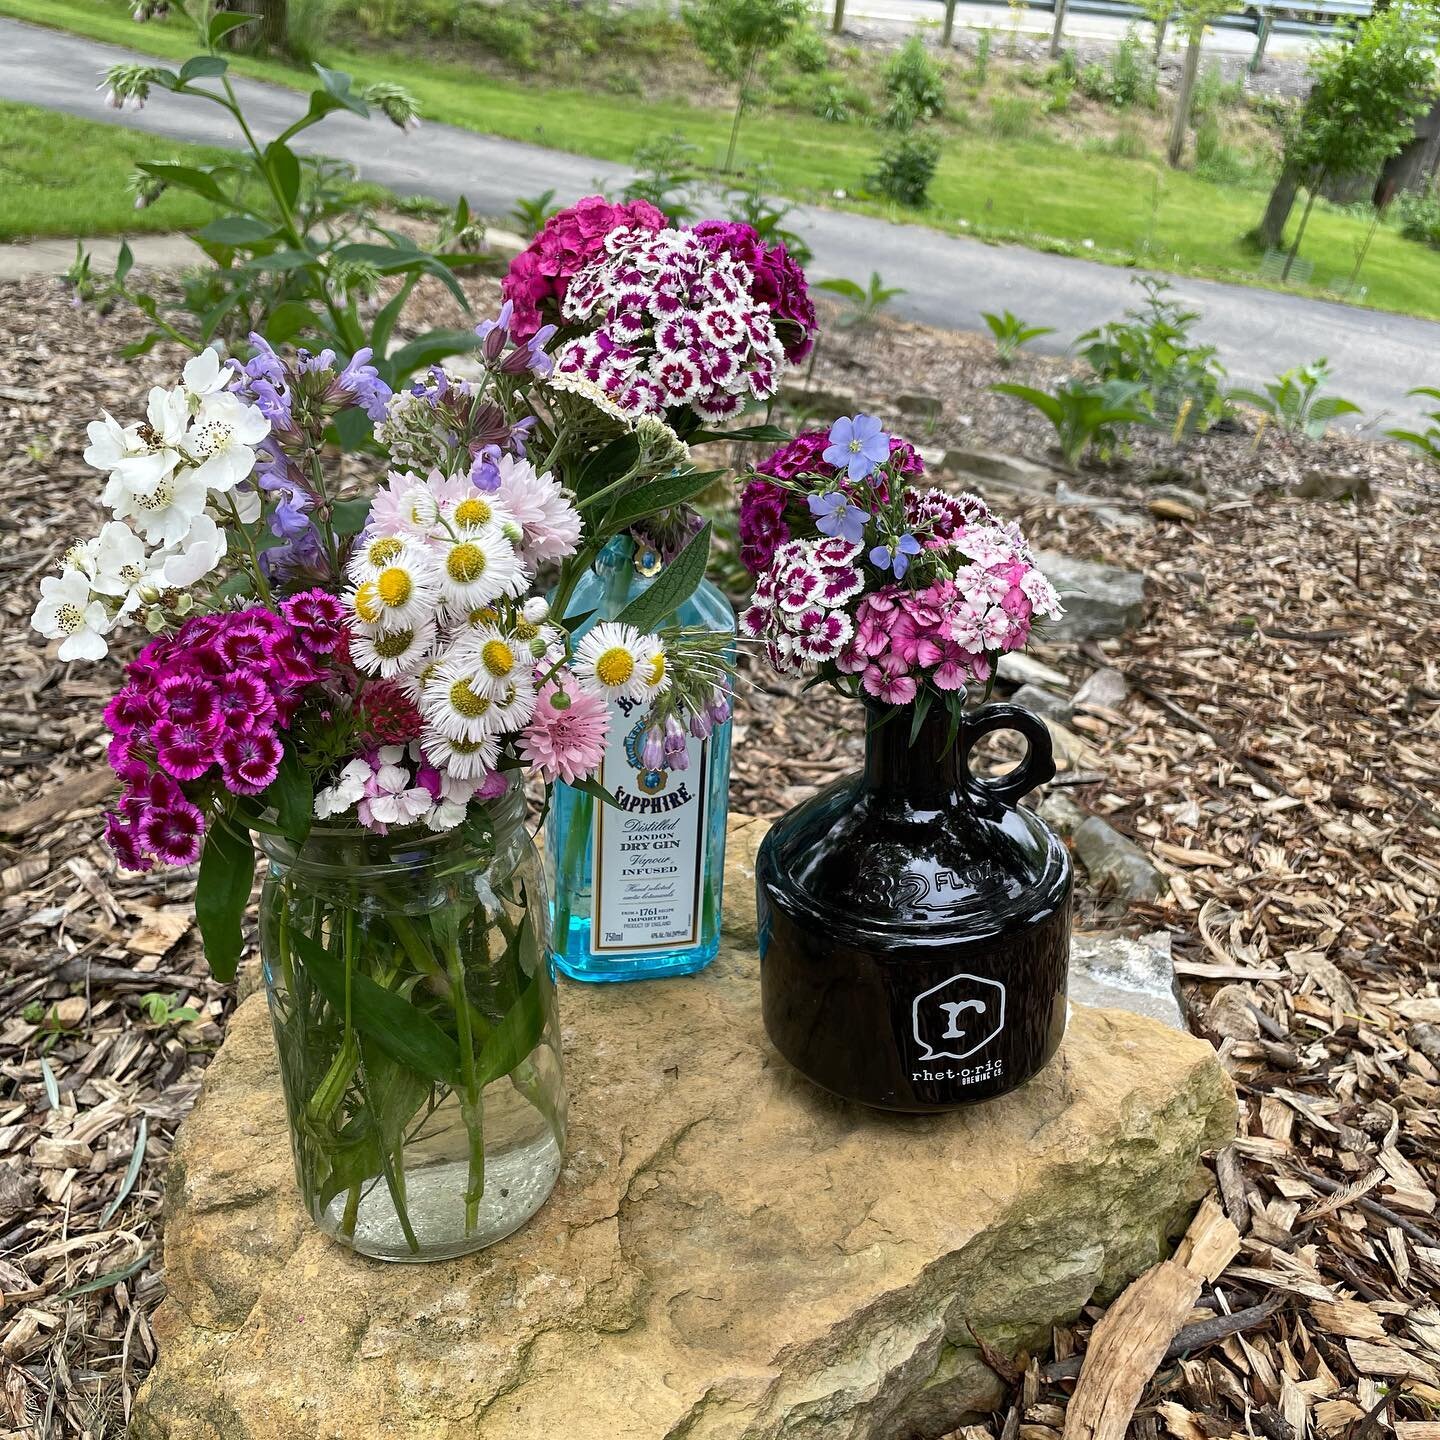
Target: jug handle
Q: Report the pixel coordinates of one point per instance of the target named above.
(1035, 768)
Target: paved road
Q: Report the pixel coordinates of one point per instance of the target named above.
(948, 280)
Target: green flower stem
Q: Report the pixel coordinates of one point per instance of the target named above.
(352, 1211)
(331, 1089)
(471, 1106)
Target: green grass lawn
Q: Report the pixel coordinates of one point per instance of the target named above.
(63, 176)
(1039, 192)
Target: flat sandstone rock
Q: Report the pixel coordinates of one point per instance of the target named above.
(729, 1252)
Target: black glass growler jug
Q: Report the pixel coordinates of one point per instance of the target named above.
(915, 921)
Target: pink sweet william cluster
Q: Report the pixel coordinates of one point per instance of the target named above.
(207, 704)
(667, 321)
(540, 274)
(894, 588)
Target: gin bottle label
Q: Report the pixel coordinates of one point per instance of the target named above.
(649, 849)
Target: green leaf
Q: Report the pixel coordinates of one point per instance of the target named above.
(221, 25)
(287, 320)
(222, 891)
(132, 1171)
(233, 230)
(848, 288)
(199, 67)
(606, 465)
(123, 262)
(430, 349)
(405, 1033)
(348, 517)
(293, 796)
(671, 588)
(753, 434)
(1045, 403)
(185, 177)
(596, 791)
(519, 1032)
(661, 494)
(283, 166)
(111, 1277)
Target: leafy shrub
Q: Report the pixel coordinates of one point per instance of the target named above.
(532, 211)
(1213, 92)
(666, 176)
(1088, 415)
(1178, 382)
(905, 169)
(1128, 143)
(1224, 164)
(915, 84)
(1295, 402)
(1128, 82)
(1419, 216)
(307, 28)
(833, 102)
(1426, 441)
(752, 205)
(509, 35)
(807, 51)
(982, 56)
(865, 302)
(1057, 102)
(1012, 117)
(1011, 333)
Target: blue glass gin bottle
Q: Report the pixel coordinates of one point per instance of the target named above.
(637, 888)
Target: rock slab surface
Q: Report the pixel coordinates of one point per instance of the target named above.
(729, 1254)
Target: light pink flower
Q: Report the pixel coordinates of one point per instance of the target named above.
(566, 743)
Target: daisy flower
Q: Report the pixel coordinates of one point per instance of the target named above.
(456, 704)
(497, 658)
(400, 594)
(476, 567)
(390, 653)
(462, 759)
(617, 662)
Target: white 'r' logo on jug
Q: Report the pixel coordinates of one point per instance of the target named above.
(959, 1016)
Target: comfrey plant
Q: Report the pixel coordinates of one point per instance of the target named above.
(871, 582)
(383, 662)
(296, 255)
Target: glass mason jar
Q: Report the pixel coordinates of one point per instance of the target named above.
(415, 1021)
(637, 890)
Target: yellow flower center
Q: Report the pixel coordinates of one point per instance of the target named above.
(384, 550)
(465, 747)
(393, 646)
(394, 587)
(484, 615)
(614, 667)
(497, 657)
(525, 631)
(657, 671)
(473, 511)
(466, 702)
(367, 603)
(466, 563)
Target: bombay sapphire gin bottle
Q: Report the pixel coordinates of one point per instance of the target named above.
(637, 885)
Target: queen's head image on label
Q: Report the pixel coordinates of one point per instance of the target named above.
(649, 847)
(958, 1017)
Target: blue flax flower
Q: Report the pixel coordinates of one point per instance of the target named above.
(835, 515)
(857, 446)
(895, 555)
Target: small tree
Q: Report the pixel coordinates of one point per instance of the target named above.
(733, 35)
(1366, 92)
(1195, 17)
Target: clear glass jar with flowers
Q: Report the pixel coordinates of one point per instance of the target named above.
(360, 679)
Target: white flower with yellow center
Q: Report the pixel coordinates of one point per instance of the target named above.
(221, 442)
(498, 658)
(69, 612)
(460, 759)
(166, 512)
(389, 653)
(374, 552)
(515, 707)
(398, 592)
(456, 704)
(617, 662)
(477, 565)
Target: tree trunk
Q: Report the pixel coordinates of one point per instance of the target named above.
(949, 30)
(740, 100)
(1300, 233)
(1160, 27)
(1181, 124)
(1277, 212)
(838, 23)
(1057, 34)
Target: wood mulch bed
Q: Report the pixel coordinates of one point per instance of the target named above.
(1278, 755)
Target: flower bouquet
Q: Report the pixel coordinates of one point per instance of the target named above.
(359, 683)
(914, 921)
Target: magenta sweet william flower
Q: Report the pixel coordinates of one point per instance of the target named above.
(318, 619)
(762, 524)
(540, 274)
(249, 761)
(779, 282)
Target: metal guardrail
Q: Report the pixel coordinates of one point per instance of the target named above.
(1261, 17)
